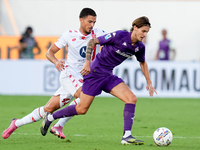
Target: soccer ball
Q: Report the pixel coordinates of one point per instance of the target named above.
(162, 136)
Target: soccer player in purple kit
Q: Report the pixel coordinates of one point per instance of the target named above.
(98, 76)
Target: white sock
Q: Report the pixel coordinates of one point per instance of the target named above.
(34, 116)
(127, 133)
(50, 117)
(61, 122)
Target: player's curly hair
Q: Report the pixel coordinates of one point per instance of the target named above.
(86, 12)
(140, 22)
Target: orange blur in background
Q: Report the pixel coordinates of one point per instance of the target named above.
(7, 42)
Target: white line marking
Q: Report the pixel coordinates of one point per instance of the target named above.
(176, 137)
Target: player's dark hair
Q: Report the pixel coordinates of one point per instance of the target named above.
(86, 12)
(140, 22)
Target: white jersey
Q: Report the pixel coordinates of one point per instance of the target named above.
(76, 44)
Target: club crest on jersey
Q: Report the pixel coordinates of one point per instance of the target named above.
(108, 36)
(83, 51)
(136, 49)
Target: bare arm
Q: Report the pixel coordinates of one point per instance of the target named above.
(59, 64)
(90, 46)
(20, 46)
(145, 71)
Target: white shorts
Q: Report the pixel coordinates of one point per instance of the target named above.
(65, 97)
(70, 83)
(70, 80)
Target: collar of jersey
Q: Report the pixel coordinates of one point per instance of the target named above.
(83, 34)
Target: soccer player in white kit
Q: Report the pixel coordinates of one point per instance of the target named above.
(70, 78)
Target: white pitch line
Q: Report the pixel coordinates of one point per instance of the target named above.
(176, 137)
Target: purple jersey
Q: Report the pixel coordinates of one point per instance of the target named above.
(116, 48)
(164, 48)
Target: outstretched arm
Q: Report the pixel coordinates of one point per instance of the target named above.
(59, 64)
(90, 46)
(145, 71)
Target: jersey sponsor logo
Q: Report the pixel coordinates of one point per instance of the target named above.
(74, 39)
(81, 60)
(108, 36)
(83, 51)
(123, 54)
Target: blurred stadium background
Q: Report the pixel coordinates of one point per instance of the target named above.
(27, 84)
(50, 18)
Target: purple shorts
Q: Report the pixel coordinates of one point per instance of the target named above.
(93, 84)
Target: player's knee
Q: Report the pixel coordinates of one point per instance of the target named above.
(77, 94)
(49, 109)
(81, 111)
(132, 99)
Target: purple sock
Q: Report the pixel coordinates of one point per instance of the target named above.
(129, 113)
(65, 112)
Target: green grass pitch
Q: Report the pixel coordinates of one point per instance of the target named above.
(102, 127)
